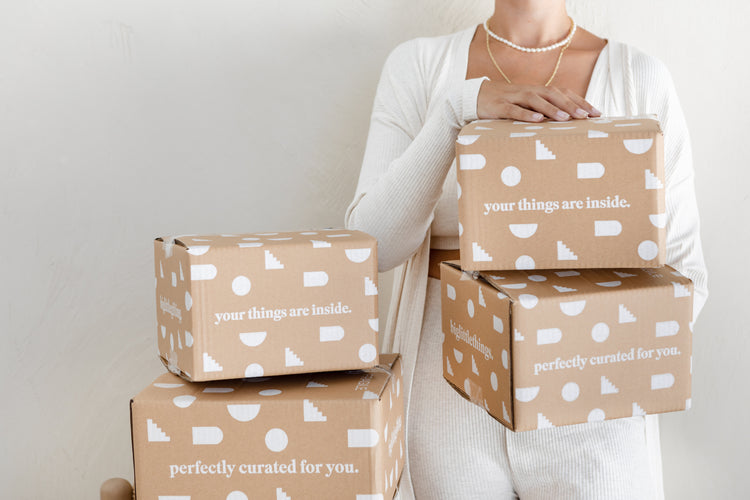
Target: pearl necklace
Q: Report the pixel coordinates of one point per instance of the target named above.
(497, 66)
(562, 42)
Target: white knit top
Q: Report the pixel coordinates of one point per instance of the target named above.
(406, 195)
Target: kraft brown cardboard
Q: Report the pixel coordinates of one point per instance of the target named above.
(547, 348)
(232, 306)
(335, 435)
(552, 195)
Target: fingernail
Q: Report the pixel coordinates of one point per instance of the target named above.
(596, 111)
(581, 113)
(537, 116)
(561, 115)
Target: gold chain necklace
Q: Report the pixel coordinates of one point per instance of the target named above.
(497, 66)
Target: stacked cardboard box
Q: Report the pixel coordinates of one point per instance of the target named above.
(277, 389)
(604, 331)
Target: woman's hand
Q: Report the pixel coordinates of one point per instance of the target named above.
(531, 103)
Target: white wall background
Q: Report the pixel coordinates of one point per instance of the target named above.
(121, 120)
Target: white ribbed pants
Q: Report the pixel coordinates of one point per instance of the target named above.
(458, 452)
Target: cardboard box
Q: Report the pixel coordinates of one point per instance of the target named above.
(231, 306)
(560, 195)
(335, 435)
(548, 348)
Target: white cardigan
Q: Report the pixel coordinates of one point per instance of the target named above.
(423, 100)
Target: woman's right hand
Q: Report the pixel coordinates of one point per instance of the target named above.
(530, 103)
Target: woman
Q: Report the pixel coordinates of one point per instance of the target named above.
(406, 198)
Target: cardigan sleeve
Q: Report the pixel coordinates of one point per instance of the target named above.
(656, 93)
(410, 148)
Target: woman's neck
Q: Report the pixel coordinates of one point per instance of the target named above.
(530, 23)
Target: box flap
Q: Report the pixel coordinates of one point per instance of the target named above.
(521, 285)
(201, 243)
(347, 385)
(507, 129)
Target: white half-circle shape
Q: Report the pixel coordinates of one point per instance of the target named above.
(162, 385)
(528, 301)
(373, 324)
(253, 339)
(217, 390)
(188, 339)
(610, 284)
(198, 250)
(251, 244)
(662, 381)
(607, 227)
(183, 401)
(357, 255)
(471, 161)
(270, 392)
(638, 146)
(522, 134)
(243, 413)
(590, 170)
(202, 272)
(254, 370)
(465, 140)
(523, 230)
(658, 220)
(254, 239)
(458, 355)
(526, 394)
(573, 308)
(207, 435)
(548, 336)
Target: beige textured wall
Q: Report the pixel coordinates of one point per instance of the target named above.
(122, 120)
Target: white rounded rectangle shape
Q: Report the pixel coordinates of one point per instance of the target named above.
(593, 170)
(331, 333)
(607, 228)
(207, 435)
(548, 336)
(362, 438)
(471, 161)
(451, 292)
(202, 272)
(466, 140)
(315, 278)
(667, 328)
(662, 381)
